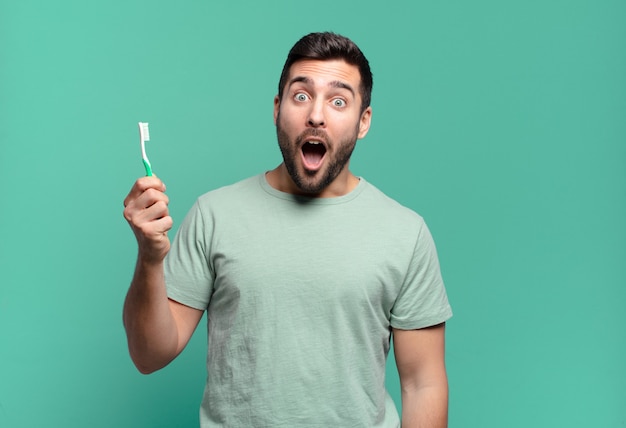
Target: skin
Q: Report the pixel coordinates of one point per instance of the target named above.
(420, 359)
(320, 102)
(157, 328)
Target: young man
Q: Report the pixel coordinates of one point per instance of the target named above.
(306, 272)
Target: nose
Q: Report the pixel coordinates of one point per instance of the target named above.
(316, 115)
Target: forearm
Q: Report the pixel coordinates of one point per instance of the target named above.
(425, 407)
(150, 326)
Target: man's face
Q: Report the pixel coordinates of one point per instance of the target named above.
(318, 121)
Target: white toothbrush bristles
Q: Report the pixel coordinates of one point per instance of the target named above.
(144, 131)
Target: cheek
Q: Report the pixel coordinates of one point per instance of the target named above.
(288, 119)
(351, 126)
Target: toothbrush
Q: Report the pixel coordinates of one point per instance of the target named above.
(144, 135)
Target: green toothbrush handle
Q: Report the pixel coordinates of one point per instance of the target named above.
(148, 167)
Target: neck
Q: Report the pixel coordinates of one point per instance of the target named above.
(343, 184)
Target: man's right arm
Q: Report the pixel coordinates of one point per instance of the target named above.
(157, 328)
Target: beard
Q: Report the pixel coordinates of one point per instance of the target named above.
(314, 182)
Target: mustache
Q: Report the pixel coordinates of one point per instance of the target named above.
(312, 133)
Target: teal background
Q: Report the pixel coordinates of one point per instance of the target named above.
(502, 123)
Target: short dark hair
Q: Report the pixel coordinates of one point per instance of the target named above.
(327, 46)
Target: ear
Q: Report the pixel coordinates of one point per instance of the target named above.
(364, 122)
(276, 108)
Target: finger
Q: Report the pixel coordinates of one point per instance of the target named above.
(149, 198)
(143, 184)
(138, 212)
(153, 212)
(145, 200)
(152, 182)
(164, 224)
(155, 230)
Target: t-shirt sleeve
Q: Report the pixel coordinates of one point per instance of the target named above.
(422, 300)
(188, 273)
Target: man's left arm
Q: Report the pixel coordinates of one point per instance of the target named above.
(420, 359)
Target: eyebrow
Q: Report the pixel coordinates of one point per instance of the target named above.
(334, 84)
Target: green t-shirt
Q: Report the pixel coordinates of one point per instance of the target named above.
(301, 295)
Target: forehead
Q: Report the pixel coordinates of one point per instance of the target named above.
(323, 72)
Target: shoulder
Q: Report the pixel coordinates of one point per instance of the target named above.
(235, 193)
(383, 205)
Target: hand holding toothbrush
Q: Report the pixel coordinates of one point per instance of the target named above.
(146, 210)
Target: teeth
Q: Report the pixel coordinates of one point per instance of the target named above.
(313, 142)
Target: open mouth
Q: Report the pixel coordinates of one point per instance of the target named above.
(313, 153)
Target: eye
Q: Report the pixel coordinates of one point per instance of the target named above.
(338, 102)
(301, 97)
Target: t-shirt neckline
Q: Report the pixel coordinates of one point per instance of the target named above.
(301, 199)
